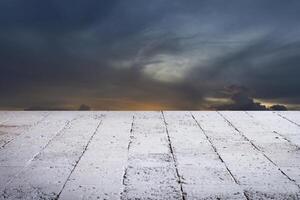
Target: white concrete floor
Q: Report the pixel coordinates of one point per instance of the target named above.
(150, 155)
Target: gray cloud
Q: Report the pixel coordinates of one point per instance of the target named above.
(241, 100)
(170, 54)
(269, 68)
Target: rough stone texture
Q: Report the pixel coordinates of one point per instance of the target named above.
(149, 155)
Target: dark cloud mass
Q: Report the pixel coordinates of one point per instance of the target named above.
(160, 54)
(240, 99)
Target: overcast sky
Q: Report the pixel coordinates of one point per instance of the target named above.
(141, 54)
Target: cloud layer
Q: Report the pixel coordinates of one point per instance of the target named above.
(163, 54)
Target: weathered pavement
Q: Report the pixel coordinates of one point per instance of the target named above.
(150, 155)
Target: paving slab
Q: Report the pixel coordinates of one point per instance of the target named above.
(149, 155)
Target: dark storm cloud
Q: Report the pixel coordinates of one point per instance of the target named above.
(269, 68)
(53, 16)
(61, 53)
(240, 100)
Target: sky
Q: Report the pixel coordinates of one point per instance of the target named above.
(150, 55)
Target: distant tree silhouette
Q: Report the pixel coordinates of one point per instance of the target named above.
(37, 108)
(84, 107)
(278, 107)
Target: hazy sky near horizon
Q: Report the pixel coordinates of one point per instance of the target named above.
(158, 54)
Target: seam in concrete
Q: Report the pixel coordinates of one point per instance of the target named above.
(180, 182)
(5, 120)
(258, 149)
(287, 119)
(282, 136)
(84, 150)
(219, 156)
(38, 153)
(31, 127)
(288, 140)
(124, 177)
(249, 114)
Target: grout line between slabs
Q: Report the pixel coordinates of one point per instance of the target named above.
(283, 137)
(5, 120)
(84, 150)
(258, 149)
(286, 118)
(35, 124)
(35, 156)
(183, 194)
(288, 140)
(219, 156)
(124, 177)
